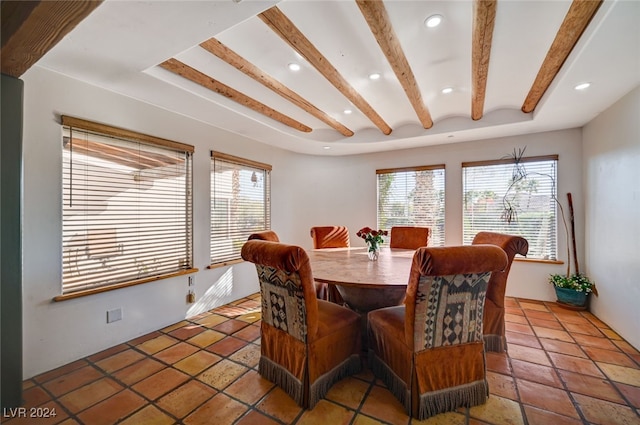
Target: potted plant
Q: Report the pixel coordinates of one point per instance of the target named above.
(572, 290)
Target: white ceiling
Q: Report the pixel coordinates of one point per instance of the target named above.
(120, 45)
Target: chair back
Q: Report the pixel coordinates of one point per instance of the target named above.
(330, 237)
(286, 287)
(266, 235)
(408, 237)
(446, 293)
(511, 245)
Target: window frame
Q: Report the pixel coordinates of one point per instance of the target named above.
(106, 132)
(232, 256)
(555, 209)
(435, 167)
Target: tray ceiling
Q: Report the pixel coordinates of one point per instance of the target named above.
(511, 66)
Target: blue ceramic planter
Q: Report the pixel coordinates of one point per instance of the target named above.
(570, 296)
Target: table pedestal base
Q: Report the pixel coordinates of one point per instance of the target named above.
(364, 300)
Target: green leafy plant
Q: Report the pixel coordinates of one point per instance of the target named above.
(577, 282)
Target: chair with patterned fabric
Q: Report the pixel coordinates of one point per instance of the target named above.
(494, 327)
(306, 344)
(265, 235)
(329, 237)
(429, 351)
(408, 237)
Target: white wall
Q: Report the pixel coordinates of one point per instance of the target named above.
(306, 191)
(343, 191)
(56, 333)
(612, 205)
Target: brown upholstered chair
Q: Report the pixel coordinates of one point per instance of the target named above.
(494, 337)
(409, 237)
(306, 344)
(429, 351)
(329, 237)
(266, 235)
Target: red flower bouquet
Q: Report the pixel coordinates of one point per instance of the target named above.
(373, 238)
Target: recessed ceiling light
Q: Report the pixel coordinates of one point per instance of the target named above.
(374, 76)
(326, 148)
(582, 86)
(447, 90)
(294, 66)
(433, 21)
(347, 111)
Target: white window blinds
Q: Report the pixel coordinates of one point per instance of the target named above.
(505, 197)
(240, 204)
(412, 196)
(127, 207)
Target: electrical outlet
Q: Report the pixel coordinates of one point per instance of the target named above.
(192, 280)
(114, 315)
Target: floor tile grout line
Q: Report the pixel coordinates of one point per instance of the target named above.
(574, 403)
(553, 367)
(371, 384)
(564, 383)
(166, 365)
(130, 388)
(523, 411)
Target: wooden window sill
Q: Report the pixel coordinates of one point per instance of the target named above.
(91, 291)
(225, 263)
(538, 260)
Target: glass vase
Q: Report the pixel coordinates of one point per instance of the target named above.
(374, 252)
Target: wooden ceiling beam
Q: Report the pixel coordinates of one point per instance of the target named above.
(31, 28)
(282, 26)
(575, 22)
(484, 17)
(207, 82)
(223, 52)
(376, 16)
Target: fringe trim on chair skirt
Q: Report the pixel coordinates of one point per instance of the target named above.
(321, 386)
(283, 378)
(397, 386)
(495, 343)
(449, 399)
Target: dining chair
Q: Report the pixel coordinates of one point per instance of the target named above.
(306, 344)
(265, 235)
(329, 237)
(408, 237)
(429, 351)
(494, 326)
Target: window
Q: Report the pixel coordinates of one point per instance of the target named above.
(519, 199)
(127, 208)
(240, 204)
(412, 196)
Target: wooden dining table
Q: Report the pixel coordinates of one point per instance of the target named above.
(364, 285)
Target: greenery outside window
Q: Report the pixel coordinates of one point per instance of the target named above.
(127, 208)
(514, 197)
(412, 196)
(240, 204)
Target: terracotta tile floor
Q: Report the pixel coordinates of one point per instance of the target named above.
(563, 367)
